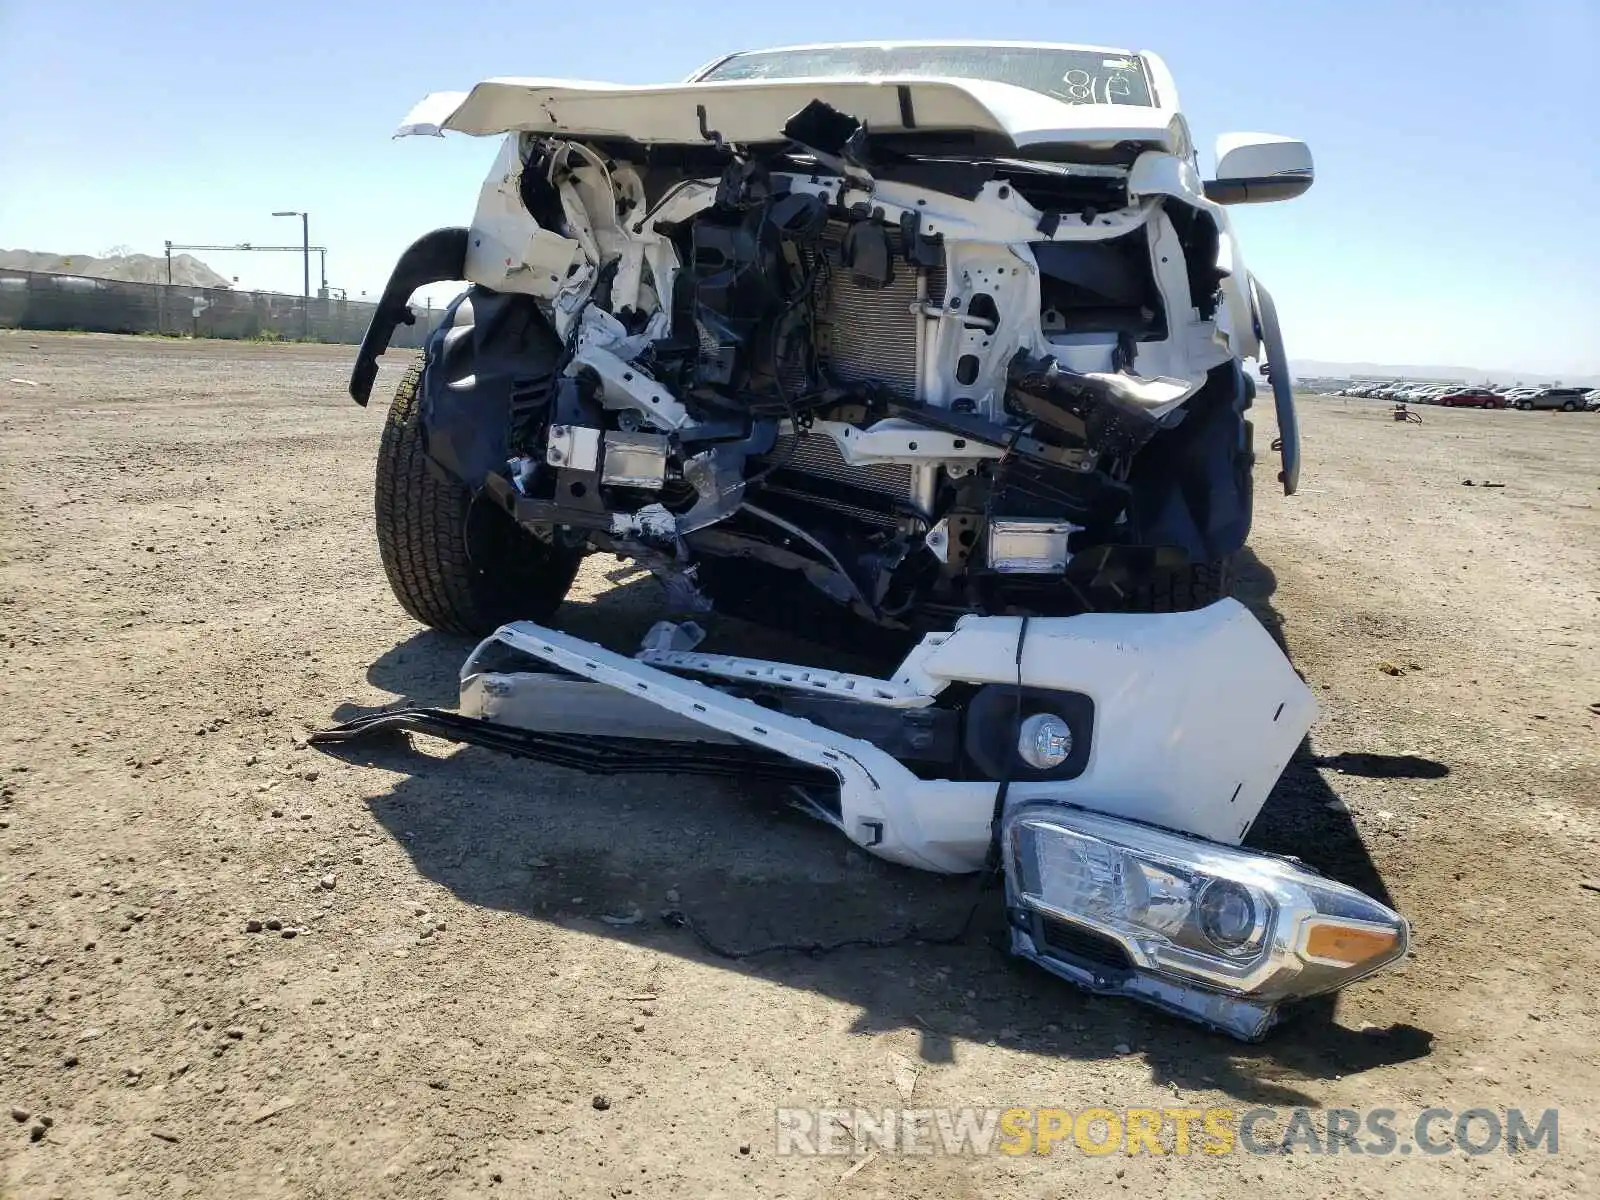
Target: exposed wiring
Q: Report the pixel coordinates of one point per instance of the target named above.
(795, 531)
(805, 294)
(782, 463)
(671, 192)
(992, 862)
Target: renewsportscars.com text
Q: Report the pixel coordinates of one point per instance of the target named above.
(1099, 1131)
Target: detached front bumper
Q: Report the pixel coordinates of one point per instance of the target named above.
(1124, 755)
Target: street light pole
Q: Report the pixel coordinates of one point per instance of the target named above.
(305, 242)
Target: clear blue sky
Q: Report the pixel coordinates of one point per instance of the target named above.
(1454, 220)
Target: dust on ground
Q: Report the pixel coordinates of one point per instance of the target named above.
(434, 1006)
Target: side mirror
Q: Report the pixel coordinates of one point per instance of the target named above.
(1254, 168)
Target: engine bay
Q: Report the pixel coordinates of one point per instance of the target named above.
(923, 385)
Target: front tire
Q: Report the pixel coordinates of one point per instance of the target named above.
(1193, 587)
(456, 564)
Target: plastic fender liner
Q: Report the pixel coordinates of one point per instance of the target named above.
(491, 355)
(1278, 374)
(1192, 486)
(432, 258)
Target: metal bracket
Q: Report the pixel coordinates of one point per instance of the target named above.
(887, 693)
(624, 385)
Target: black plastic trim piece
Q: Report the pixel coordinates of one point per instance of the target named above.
(1256, 191)
(1278, 375)
(596, 755)
(432, 258)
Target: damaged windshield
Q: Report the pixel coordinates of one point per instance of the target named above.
(1071, 76)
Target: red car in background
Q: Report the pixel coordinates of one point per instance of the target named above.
(1472, 397)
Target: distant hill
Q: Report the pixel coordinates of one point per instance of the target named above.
(130, 268)
(1317, 368)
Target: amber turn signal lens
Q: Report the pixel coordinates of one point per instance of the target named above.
(1347, 945)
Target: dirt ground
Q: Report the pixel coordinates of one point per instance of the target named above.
(189, 584)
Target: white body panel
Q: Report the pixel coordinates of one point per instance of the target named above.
(755, 111)
(985, 239)
(991, 261)
(1196, 715)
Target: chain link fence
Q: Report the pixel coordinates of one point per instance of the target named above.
(38, 300)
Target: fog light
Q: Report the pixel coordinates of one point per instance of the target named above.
(1045, 741)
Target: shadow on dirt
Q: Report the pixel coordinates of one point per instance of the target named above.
(1383, 766)
(422, 670)
(1304, 817)
(615, 856)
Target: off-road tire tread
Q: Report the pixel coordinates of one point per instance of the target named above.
(1185, 590)
(421, 522)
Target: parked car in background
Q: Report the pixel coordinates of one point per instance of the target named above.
(1483, 395)
(1472, 397)
(1431, 393)
(1568, 399)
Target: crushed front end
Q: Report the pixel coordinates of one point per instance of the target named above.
(801, 366)
(934, 341)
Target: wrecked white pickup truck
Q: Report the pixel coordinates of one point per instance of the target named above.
(941, 341)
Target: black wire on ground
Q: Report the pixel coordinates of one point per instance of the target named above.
(911, 936)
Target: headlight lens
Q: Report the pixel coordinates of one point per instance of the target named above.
(1228, 916)
(1208, 916)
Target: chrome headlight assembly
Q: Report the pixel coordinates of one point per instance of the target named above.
(1213, 932)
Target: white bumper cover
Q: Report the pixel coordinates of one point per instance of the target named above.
(1195, 716)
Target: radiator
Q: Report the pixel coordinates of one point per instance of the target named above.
(871, 333)
(863, 334)
(875, 494)
(816, 453)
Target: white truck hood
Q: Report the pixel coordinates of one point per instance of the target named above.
(756, 110)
